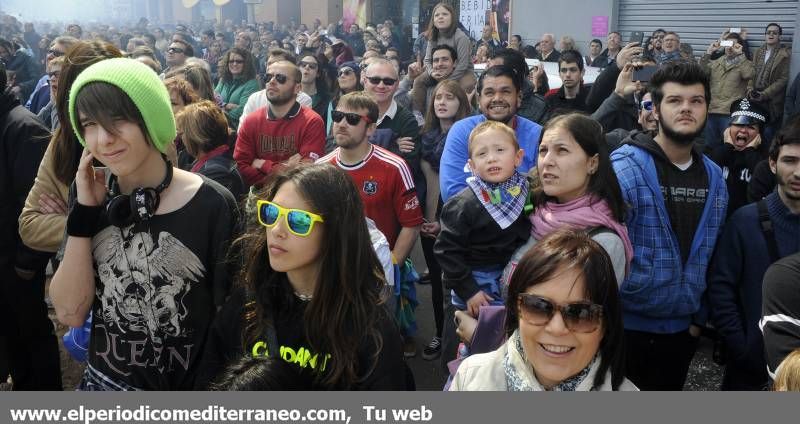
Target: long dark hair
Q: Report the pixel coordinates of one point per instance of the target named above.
(589, 134)
(66, 148)
(346, 302)
(248, 71)
(323, 90)
(570, 248)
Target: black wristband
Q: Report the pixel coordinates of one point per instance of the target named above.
(82, 221)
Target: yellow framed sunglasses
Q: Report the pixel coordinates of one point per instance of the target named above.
(298, 221)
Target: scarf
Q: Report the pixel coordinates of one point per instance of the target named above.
(762, 78)
(516, 380)
(504, 201)
(586, 211)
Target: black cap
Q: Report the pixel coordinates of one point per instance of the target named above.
(745, 112)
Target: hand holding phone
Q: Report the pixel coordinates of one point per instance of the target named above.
(636, 37)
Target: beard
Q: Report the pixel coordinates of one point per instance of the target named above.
(683, 139)
(281, 99)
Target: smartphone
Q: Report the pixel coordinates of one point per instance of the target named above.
(735, 30)
(636, 37)
(726, 43)
(644, 74)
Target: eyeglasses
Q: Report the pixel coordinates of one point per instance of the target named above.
(278, 77)
(345, 72)
(309, 65)
(580, 317)
(646, 105)
(54, 74)
(773, 33)
(236, 61)
(298, 221)
(352, 118)
(386, 81)
(55, 53)
(175, 50)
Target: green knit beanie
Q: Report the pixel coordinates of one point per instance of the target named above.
(142, 85)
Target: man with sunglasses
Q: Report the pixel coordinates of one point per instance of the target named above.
(383, 179)
(281, 134)
(629, 107)
(259, 98)
(58, 48)
(397, 129)
(677, 200)
(768, 87)
(177, 53)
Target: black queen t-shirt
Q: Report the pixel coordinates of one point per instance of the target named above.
(158, 285)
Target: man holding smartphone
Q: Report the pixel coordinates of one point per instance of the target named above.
(730, 75)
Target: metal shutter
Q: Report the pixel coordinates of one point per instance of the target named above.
(700, 22)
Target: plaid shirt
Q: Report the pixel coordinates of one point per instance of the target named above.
(661, 294)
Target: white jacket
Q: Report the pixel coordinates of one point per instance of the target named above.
(484, 372)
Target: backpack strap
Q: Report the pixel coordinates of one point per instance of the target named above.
(766, 228)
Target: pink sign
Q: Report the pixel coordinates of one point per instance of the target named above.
(599, 26)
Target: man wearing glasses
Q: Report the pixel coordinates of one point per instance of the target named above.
(768, 87)
(281, 134)
(177, 52)
(58, 48)
(397, 129)
(383, 180)
(259, 98)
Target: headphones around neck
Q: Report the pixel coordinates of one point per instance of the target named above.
(123, 209)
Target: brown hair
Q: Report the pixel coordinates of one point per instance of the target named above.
(571, 248)
(464, 108)
(184, 90)
(248, 71)
(361, 100)
(104, 104)
(203, 127)
(486, 126)
(66, 148)
(196, 75)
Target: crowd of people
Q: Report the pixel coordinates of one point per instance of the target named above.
(234, 207)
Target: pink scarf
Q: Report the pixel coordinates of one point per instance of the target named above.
(584, 212)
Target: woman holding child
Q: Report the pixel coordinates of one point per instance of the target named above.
(574, 187)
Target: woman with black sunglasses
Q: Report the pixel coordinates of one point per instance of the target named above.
(311, 290)
(563, 323)
(314, 69)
